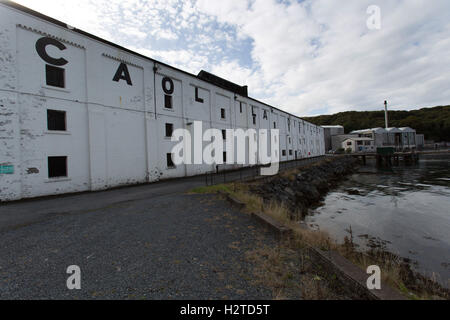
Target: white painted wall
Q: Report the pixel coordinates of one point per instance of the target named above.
(115, 132)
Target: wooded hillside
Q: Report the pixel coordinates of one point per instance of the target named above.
(434, 123)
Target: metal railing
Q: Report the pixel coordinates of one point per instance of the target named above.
(251, 173)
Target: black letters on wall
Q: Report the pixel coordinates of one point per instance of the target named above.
(171, 88)
(41, 46)
(122, 73)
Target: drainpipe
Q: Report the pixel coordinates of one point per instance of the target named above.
(386, 114)
(155, 69)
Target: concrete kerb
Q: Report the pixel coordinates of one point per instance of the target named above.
(349, 275)
(352, 277)
(235, 202)
(282, 232)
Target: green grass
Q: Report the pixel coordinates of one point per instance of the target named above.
(221, 188)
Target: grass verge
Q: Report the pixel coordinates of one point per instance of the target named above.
(395, 272)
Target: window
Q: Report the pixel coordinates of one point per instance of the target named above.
(55, 76)
(283, 153)
(224, 157)
(168, 102)
(289, 125)
(349, 143)
(290, 141)
(360, 143)
(57, 167)
(265, 115)
(56, 120)
(240, 106)
(290, 152)
(170, 163)
(274, 125)
(223, 114)
(254, 119)
(169, 130)
(224, 134)
(197, 98)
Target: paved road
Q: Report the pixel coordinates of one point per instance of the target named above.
(143, 242)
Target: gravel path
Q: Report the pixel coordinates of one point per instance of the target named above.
(144, 245)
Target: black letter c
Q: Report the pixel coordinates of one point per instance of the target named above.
(41, 45)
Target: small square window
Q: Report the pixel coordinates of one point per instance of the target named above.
(57, 167)
(223, 113)
(170, 163)
(168, 102)
(56, 120)
(197, 98)
(169, 130)
(55, 76)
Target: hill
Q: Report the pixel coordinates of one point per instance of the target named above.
(434, 123)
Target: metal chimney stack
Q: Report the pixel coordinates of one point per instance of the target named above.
(386, 114)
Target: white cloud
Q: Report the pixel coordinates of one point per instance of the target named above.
(319, 54)
(306, 57)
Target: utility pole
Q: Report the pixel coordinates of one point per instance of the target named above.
(386, 114)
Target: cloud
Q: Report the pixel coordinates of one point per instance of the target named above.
(320, 54)
(306, 57)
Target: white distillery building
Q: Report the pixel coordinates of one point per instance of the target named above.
(78, 113)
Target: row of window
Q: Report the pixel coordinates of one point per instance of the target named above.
(57, 166)
(55, 77)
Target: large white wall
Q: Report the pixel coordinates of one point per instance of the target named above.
(115, 131)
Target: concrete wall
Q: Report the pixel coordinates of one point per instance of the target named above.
(115, 131)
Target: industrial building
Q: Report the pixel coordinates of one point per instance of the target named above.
(358, 144)
(79, 113)
(329, 132)
(401, 139)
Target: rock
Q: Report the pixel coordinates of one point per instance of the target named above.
(309, 186)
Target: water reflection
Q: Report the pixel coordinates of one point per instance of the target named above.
(405, 209)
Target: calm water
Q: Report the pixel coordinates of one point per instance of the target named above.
(405, 208)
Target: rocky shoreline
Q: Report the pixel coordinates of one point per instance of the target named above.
(304, 188)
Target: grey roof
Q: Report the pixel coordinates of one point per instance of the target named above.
(333, 127)
(376, 130)
(393, 130)
(407, 129)
(359, 139)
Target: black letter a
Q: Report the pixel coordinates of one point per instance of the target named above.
(123, 74)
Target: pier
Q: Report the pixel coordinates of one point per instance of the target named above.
(388, 158)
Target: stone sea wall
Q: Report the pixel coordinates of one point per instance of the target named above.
(301, 191)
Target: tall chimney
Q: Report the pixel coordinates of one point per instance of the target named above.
(386, 114)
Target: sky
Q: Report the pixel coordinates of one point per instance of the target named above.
(307, 57)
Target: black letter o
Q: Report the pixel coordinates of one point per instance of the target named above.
(164, 85)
